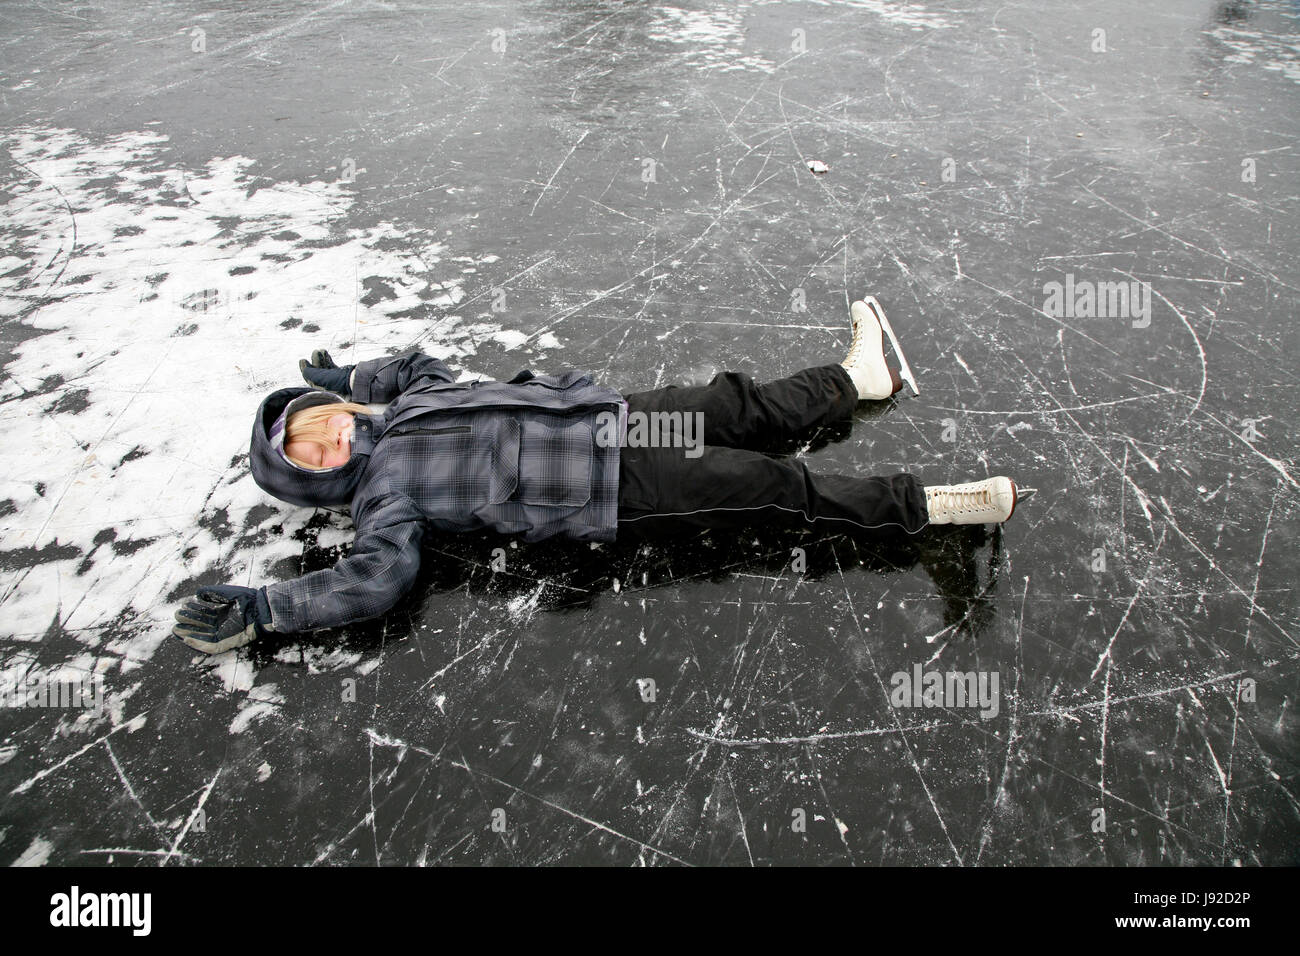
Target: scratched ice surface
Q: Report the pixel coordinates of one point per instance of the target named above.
(183, 215)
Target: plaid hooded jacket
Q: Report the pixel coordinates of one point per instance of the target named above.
(520, 457)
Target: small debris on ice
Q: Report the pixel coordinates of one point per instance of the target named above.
(818, 167)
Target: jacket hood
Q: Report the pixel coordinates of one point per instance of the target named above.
(276, 475)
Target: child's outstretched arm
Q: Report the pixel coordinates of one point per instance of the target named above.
(383, 379)
(375, 380)
(380, 568)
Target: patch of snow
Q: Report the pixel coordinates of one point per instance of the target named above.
(37, 854)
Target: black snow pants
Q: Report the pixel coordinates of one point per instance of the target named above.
(733, 483)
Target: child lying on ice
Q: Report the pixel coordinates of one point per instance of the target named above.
(545, 455)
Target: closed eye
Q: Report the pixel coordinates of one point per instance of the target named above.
(308, 454)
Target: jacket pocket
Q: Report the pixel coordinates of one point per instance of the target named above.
(449, 430)
(504, 477)
(572, 378)
(447, 468)
(555, 463)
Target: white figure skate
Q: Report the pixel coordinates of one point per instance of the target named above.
(866, 362)
(990, 501)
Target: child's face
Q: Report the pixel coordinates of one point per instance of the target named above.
(340, 428)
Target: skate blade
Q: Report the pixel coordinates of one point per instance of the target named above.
(904, 369)
(1024, 494)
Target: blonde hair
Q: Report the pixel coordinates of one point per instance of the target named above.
(309, 425)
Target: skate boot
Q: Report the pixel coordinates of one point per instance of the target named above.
(866, 364)
(990, 501)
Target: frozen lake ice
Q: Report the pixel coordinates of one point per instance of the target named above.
(1081, 220)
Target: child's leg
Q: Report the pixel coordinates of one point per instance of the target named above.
(741, 413)
(661, 489)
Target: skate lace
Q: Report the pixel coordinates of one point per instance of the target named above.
(855, 347)
(964, 501)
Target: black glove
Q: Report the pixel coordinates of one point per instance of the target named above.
(223, 616)
(321, 372)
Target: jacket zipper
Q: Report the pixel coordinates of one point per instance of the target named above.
(451, 429)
